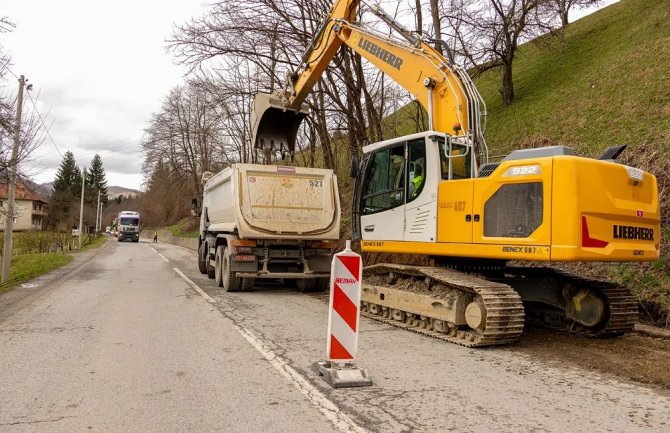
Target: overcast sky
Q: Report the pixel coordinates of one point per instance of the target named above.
(100, 69)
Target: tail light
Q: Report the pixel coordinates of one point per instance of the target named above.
(242, 245)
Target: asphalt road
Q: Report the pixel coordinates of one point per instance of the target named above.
(137, 339)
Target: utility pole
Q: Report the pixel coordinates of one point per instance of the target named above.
(81, 208)
(100, 217)
(97, 214)
(9, 223)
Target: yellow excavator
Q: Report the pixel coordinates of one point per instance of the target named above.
(435, 194)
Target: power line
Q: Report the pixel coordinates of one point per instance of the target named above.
(9, 69)
(44, 124)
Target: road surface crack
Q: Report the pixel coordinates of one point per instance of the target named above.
(38, 421)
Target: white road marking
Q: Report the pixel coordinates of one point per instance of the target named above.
(162, 257)
(338, 418)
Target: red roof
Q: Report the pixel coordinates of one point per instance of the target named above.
(22, 193)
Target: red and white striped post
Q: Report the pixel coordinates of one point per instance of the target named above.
(344, 307)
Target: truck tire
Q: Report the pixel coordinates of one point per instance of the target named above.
(230, 281)
(218, 266)
(202, 266)
(305, 284)
(247, 284)
(322, 285)
(208, 266)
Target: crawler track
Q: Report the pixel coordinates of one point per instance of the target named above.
(622, 305)
(503, 308)
(406, 297)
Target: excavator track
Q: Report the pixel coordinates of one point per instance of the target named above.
(439, 301)
(622, 309)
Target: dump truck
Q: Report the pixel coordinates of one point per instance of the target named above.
(435, 194)
(128, 226)
(268, 222)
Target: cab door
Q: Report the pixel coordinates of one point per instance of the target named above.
(455, 194)
(383, 195)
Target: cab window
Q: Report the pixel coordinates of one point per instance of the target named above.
(385, 181)
(461, 161)
(416, 168)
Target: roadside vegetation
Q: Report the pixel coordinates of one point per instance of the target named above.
(35, 253)
(27, 266)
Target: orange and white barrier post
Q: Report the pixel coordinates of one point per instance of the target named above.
(344, 314)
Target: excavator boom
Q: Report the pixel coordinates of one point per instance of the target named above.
(446, 92)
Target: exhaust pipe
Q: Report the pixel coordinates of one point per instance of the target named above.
(273, 126)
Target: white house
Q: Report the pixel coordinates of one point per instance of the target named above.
(31, 209)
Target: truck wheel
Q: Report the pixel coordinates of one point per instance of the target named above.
(322, 285)
(218, 266)
(247, 284)
(210, 268)
(202, 266)
(230, 281)
(306, 284)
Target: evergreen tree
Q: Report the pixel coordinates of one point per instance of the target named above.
(68, 176)
(66, 192)
(96, 181)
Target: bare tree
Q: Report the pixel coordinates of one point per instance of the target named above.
(230, 36)
(563, 7)
(489, 33)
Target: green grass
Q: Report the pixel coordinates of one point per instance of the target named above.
(27, 266)
(611, 86)
(100, 240)
(186, 228)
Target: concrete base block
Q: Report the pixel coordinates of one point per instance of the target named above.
(342, 375)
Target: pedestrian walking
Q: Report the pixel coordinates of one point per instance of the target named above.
(155, 236)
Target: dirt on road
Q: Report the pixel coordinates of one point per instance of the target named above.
(634, 356)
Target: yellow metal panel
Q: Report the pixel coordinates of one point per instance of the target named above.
(514, 172)
(454, 202)
(409, 67)
(615, 218)
(511, 251)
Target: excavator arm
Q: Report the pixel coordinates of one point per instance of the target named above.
(446, 92)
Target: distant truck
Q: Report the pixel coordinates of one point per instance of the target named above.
(264, 221)
(128, 226)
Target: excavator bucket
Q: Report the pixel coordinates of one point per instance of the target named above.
(274, 127)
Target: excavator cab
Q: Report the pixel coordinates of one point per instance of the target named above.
(273, 126)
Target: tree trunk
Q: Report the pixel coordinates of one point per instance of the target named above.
(564, 25)
(507, 84)
(437, 23)
(419, 17)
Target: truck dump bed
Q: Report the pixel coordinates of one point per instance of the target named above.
(265, 201)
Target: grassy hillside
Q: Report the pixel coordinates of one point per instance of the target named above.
(611, 86)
